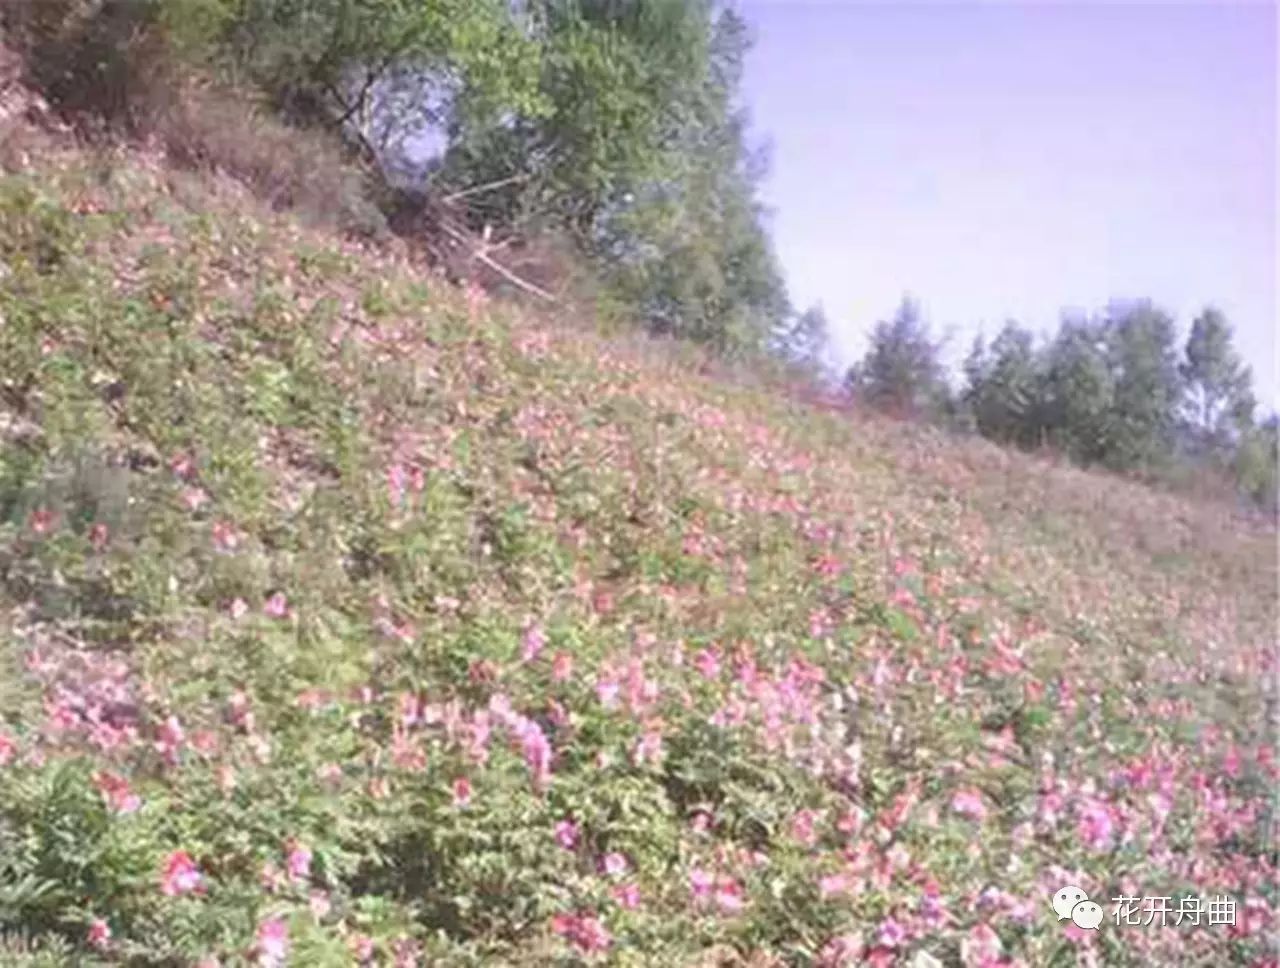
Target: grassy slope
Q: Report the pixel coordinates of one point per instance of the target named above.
(822, 684)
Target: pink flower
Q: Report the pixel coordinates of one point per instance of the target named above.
(536, 750)
(802, 828)
(8, 749)
(237, 608)
(842, 951)
(728, 895)
(181, 875)
(700, 883)
(891, 934)
(607, 691)
(115, 790)
(182, 465)
(225, 537)
(532, 642)
(42, 521)
(969, 803)
(708, 663)
(981, 947)
(614, 864)
(585, 931)
(194, 498)
(832, 884)
(461, 792)
(566, 834)
(320, 905)
(98, 535)
(648, 748)
(99, 934)
(277, 606)
(170, 739)
(627, 896)
(272, 944)
(561, 667)
(1095, 826)
(329, 773)
(298, 861)
(406, 953)
(361, 946)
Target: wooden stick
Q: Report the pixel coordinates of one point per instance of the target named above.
(478, 189)
(501, 270)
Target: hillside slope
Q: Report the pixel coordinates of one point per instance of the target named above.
(344, 622)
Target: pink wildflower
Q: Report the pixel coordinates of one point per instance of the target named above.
(614, 864)
(361, 946)
(708, 663)
(115, 790)
(181, 875)
(842, 951)
(700, 883)
(277, 606)
(532, 642)
(272, 944)
(728, 895)
(98, 535)
(42, 521)
(99, 935)
(8, 749)
(461, 792)
(320, 905)
(802, 828)
(891, 934)
(225, 537)
(566, 834)
(536, 749)
(627, 896)
(981, 946)
(298, 861)
(170, 739)
(561, 667)
(1096, 825)
(585, 931)
(182, 466)
(969, 803)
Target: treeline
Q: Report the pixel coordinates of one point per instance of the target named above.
(1117, 389)
(614, 125)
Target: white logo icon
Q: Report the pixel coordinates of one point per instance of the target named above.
(1073, 903)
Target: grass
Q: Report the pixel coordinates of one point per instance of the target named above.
(345, 622)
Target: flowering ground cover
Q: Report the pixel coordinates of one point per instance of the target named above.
(345, 620)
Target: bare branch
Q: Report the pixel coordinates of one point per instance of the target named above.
(478, 189)
(480, 256)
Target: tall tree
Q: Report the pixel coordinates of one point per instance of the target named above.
(1141, 346)
(805, 339)
(1219, 399)
(1257, 463)
(1003, 391)
(1078, 391)
(902, 372)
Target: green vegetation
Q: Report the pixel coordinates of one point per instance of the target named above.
(345, 621)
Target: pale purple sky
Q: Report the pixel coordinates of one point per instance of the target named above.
(1010, 159)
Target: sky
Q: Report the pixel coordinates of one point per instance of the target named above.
(1009, 160)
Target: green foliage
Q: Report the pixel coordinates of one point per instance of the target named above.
(902, 372)
(1004, 388)
(1257, 463)
(1219, 398)
(1142, 353)
(413, 632)
(804, 340)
